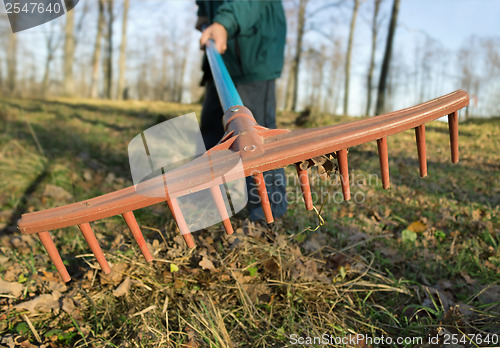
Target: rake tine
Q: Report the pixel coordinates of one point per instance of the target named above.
(221, 207)
(344, 173)
(94, 246)
(421, 150)
(264, 199)
(54, 255)
(383, 159)
(453, 127)
(136, 232)
(173, 205)
(305, 187)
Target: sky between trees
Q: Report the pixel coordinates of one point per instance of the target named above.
(439, 46)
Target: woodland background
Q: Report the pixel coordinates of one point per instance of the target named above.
(353, 57)
(420, 260)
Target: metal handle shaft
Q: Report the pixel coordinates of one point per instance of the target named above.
(228, 95)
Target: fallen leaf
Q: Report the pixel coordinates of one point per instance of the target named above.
(178, 284)
(477, 214)
(255, 291)
(56, 192)
(206, 263)
(42, 303)
(54, 282)
(241, 278)
(271, 267)
(252, 271)
(252, 229)
(467, 278)
(408, 236)
(87, 175)
(307, 271)
(116, 276)
(8, 340)
(315, 242)
(69, 306)
(123, 288)
(465, 309)
(174, 268)
(334, 262)
(312, 245)
(445, 284)
(357, 236)
(491, 266)
(434, 296)
(417, 227)
(225, 277)
(192, 343)
(490, 294)
(13, 288)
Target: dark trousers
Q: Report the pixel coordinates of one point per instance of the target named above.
(260, 98)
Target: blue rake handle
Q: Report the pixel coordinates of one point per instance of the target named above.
(228, 95)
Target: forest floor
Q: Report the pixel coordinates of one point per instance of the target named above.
(419, 261)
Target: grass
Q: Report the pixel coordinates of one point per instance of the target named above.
(369, 269)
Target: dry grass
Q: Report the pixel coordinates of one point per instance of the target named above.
(359, 273)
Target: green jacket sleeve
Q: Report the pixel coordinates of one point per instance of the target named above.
(239, 17)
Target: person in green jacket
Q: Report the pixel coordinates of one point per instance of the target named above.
(251, 37)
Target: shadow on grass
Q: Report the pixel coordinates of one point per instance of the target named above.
(66, 143)
(107, 109)
(468, 181)
(20, 208)
(100, 123)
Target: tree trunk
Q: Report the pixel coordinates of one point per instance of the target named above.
(12, 64)
(301, 20)
(52, 43)
(69, 54)
(123, 51)
(348, 56)
(372, 57)
(46, 74)
(109, 52)
(180, 88)
(96, 58)
(1, 78)
(387, 59)
(287, 101)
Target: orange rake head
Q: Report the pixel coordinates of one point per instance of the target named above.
(258, 149)
(246, 149)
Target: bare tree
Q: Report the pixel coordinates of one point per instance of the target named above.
(69, 54)
(334, 85)
(1, 77)
(470, 77)
(123, 51)
(314, 62)
(96, 57)
(179, 89)
(288, 87)
(183, 49)
(52, 42)
(294, 73)
(348, 56)
(109, 52)
(3, 51)
(369, 78)
(387, 58)
(11, 64)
